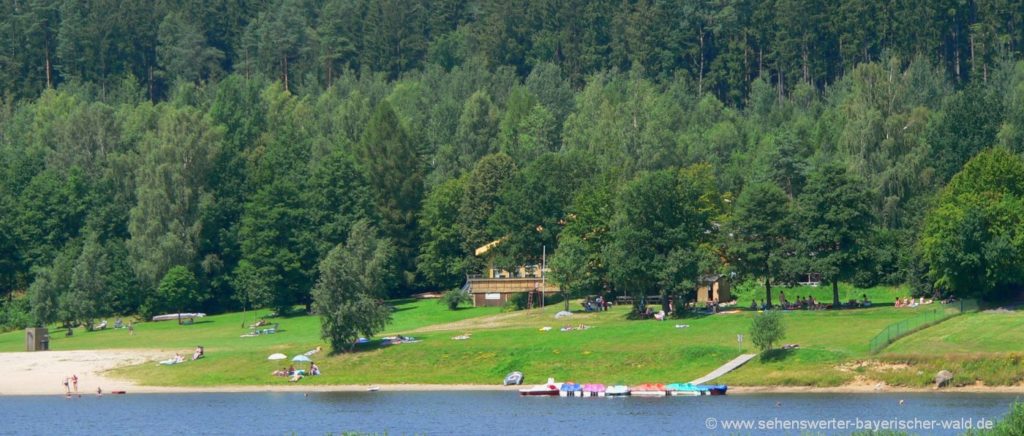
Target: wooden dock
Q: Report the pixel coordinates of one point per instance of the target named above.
(724, 369)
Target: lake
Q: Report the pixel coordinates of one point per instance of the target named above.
(491, 412)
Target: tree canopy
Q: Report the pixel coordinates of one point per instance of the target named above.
(640, 144)
(353, 278)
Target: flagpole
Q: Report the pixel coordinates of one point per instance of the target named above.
(543, 266)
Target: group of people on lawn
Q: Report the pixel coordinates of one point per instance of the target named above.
(295, 375)
(807, 303)
(911, 302)
(597, 304)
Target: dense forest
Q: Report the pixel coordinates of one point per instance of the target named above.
(232, 145)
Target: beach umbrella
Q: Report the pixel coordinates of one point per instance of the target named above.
(277, 356)
(301, 358)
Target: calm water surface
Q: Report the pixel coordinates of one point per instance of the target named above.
(472, 413)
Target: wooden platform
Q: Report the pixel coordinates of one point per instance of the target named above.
(724, 369)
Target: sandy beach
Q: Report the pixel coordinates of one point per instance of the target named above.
(41, 373)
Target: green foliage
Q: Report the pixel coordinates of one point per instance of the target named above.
(178, 291)
(579, 266)
(101, 282)
(353, 278)
(533, 205)
(969, 123)
(1008, 426)
(254, 288)
(183, 50)
(171, 193)
(971, 239)
(51, 286)
(724, 48)
(207, 135)
(15, 313)
(761, 229)
(835, 224)
(480, 199)
(766, 329)
(389, 162)
(662, 220)
(452, 298)
(442, 256)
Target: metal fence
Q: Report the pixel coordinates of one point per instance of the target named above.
(933, 316)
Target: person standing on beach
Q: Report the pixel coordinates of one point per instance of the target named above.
(67, 388)
(74, 382)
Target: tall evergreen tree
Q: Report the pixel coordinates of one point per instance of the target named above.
(393, 169)
(183, 51)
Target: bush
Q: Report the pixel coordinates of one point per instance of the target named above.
(1011, 424)
(766, 329)
(15, 314)
(452, 298)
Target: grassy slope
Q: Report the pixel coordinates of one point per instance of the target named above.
(978, 347)
(615, 350)
(984, 332)
(221, 332)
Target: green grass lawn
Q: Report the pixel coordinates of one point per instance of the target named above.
(985, 347)
(884, 295)
(222, 332)
(984, 332)
(613, 350)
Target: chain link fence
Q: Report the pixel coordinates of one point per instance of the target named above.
(933, 316)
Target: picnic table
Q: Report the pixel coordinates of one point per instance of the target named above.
(628, 299)
(255, 330)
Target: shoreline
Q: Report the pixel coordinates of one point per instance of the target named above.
(419, 387)
(34, 373)
(886, 389)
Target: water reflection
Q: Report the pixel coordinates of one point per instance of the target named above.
(467, 413)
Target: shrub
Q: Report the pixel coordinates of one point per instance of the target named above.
(1011, 424)
(766, 329)
(15, 314)
(453, 298)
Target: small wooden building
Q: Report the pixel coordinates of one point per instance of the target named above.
(713, 288)
(497, 291)
(497, 285)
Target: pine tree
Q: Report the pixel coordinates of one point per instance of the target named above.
(393, 169)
